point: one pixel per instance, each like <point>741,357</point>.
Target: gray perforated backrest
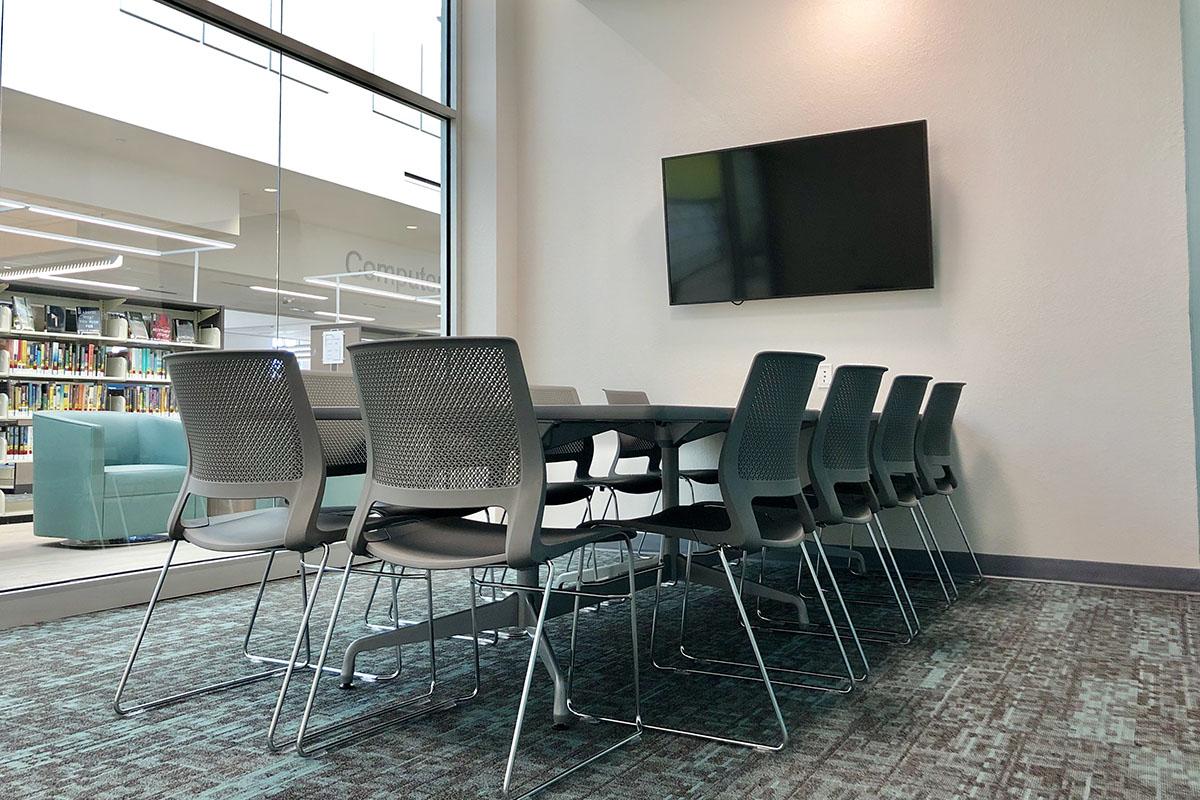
<point>250,431</point>
<point>343,441</point>
<point>450,424</point>
<point>579,451</point>
<point>629,446</point>
<point>934,437</point>
<point>761,453</point>
<point>894,433</point>
<point>839,452</point>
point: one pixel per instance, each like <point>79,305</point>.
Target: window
<point>236,190</point>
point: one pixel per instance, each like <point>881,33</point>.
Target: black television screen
<point>830,214</point>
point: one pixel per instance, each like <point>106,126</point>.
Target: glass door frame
<point>214,14</point>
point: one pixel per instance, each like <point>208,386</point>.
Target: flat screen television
<point>830,214</point>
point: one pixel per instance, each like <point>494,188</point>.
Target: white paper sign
<point>333,347</point>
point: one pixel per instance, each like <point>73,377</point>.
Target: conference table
<point>668,426</point>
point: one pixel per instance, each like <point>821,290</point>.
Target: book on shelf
<point>72,325</point>
<point>88,321</point>
<point>147,362</point>
<point>83,359</point>
<point>22,314</point>
<point>18,441</point>
<point>30,396</point>
<point>56,319</point>
<point>149,399</point>
<point>160,327</point>
<point>185,331</point>
<point>137,326</point>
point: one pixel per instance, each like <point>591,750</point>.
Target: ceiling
<point>311,210</point>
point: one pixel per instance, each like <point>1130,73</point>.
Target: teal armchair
<point>108,476</point>
<point>105,476</point>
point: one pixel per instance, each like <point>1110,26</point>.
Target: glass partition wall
<point>176,176</point>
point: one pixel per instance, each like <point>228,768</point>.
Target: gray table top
<point>600,412</point>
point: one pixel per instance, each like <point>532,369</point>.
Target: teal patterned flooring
<point>1021,690</point>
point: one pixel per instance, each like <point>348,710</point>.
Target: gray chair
<point>633,447</point>
<point>759,463</point>
<point>450,423</point>
<point>839,468</point>
<point>250,435</point>
<point>579,453</point>
<point>893,463</point>
<point>934,455</point>
<point>344,447</point>
<point>630,447</point>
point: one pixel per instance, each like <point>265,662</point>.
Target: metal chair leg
<point>314,742</point>
<point>962,531</point>
<point>912,626</point>
<point>139,708</point>
<point>765,677</point>
<point>933,562</point>
<point>538,634</point>
<point>840,684</point>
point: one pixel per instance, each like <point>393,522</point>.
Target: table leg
<point>669,467</point>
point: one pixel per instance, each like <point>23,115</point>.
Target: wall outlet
<point>824,375</point>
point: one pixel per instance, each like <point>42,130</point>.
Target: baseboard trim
<point>58,600</point>
<point>1061,570</point>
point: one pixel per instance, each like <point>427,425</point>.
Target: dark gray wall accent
<point>1136,576</point>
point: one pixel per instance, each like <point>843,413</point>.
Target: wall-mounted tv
<point>830,214</point>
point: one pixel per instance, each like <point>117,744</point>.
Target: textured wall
<point>1058,190</point>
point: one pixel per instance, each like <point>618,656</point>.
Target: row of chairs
<point>448,431</point>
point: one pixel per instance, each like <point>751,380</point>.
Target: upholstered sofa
<point>107,476</point>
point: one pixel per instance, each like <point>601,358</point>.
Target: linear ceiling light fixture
<point>405,279</point>
<point>350,317</point>
<point>120,287</point>
<point>52,270</point>
<point>62,237</point>
<point>289,293</point>
<point>347,287</point>
<point>201,242</point>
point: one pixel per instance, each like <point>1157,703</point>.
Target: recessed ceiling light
<point>411,227</point>
<point>350,317</point>
<point>271,189</point>
<point>289,293</point>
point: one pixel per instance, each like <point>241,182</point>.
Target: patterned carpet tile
<point>1021,690</point>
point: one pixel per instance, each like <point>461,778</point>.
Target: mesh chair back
<point>450,424</point>
<point>934,438</point>
<point>839,453</point>
<point>250,432</point>
<point>895,432</point>
<point>580,451</point>
<point>761,453</point>
<point>629,446</point>
<point>343,441</point>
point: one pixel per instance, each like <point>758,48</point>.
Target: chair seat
<point>645,483</point>
<point>907,491</point>
<point>462,543</point>
<point>260,529</point>
<point>130,480</point>
<point>708,522</point>
<point>706,476</point>
<point>856,508</point>
<point>561,494</point>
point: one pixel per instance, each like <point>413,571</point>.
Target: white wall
<point>1058,189</point>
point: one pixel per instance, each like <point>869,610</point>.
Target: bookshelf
<point>98,361</point>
